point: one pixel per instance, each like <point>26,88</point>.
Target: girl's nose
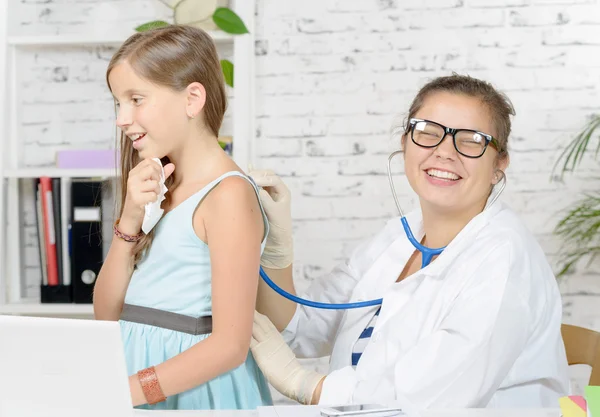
<point>124,119</point>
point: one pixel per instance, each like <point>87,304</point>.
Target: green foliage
<point>228,21</point>
<point>227,67</point>
<point>580,230</point>
<point>225,19</point>
<point>151,25</point>
<point>580,227</point>
<point>576,149</point>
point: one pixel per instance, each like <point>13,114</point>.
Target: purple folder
<point>87,159</point>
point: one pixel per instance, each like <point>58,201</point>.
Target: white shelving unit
<point>108,40</point>
<point>11,166</point>
<point>57,172</point>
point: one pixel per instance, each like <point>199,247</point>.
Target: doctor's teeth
<point>442,174</point>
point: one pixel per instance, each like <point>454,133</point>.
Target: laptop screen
<point>62,368</point>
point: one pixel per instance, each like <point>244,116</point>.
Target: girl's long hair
<point>174,56</point>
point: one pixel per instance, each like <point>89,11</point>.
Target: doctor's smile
<point>442,177</point>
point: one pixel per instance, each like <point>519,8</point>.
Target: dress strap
<point>216,182</point>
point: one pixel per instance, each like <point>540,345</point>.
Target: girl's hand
<point>142,187</point>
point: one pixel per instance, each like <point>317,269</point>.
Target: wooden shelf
<point>35,308</point>
<point>90,40</point>
<point>58,172</point>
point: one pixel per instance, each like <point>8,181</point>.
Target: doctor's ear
<point>497,176</point>
<point>501,166</point>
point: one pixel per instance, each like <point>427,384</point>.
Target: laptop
<point>62,368</point>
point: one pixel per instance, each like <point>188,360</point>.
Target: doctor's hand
<point>276,200</point>
<point>279,364</point>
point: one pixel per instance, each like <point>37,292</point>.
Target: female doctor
<point>480,326</point>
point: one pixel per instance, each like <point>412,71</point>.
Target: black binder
<point>86,237</point>
<point>56,206</point>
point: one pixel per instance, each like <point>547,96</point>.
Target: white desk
<point>294,411</point>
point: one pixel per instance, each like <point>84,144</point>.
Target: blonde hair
<point>173,56</point>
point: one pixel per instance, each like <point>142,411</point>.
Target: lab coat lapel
<point>400,293</point>
<point>374,285</point>
<point>464,238</point>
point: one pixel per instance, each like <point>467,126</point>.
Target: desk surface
<point>295,411</point>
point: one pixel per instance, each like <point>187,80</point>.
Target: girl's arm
<point>279,309</point>
<point>234,229</point>
<point>278,254</point>
<point>114,276</point>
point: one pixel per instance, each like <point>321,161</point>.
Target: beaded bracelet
<point>150,386</point>
<point>126,238</point>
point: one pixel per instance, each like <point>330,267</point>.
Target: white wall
<point>331,74</point>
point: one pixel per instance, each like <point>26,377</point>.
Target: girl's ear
<point>195,99</point>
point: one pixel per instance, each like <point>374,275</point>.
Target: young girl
<point>184,293</point>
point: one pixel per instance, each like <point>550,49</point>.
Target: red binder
<point>50,232</point>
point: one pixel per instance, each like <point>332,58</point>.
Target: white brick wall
<point>331,75</point>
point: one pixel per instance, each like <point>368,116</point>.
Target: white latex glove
<point>279,364</point>
<point>276,200</point>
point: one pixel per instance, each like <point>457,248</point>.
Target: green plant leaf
<point>227,67</point>
<point>575,150</point>
<point>228,21</point>
<point>580,232</point>
<point>152,25</point>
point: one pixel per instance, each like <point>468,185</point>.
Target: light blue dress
<point>175,276</point>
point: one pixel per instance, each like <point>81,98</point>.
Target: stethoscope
<point>427,254</point>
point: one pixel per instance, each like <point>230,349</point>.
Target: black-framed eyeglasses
<point>467,142</point>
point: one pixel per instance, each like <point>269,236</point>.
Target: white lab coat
<point>478,327</point>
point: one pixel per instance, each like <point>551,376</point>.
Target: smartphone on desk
<point>361,410</point>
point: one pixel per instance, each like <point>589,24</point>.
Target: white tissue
<point>152,211</point>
